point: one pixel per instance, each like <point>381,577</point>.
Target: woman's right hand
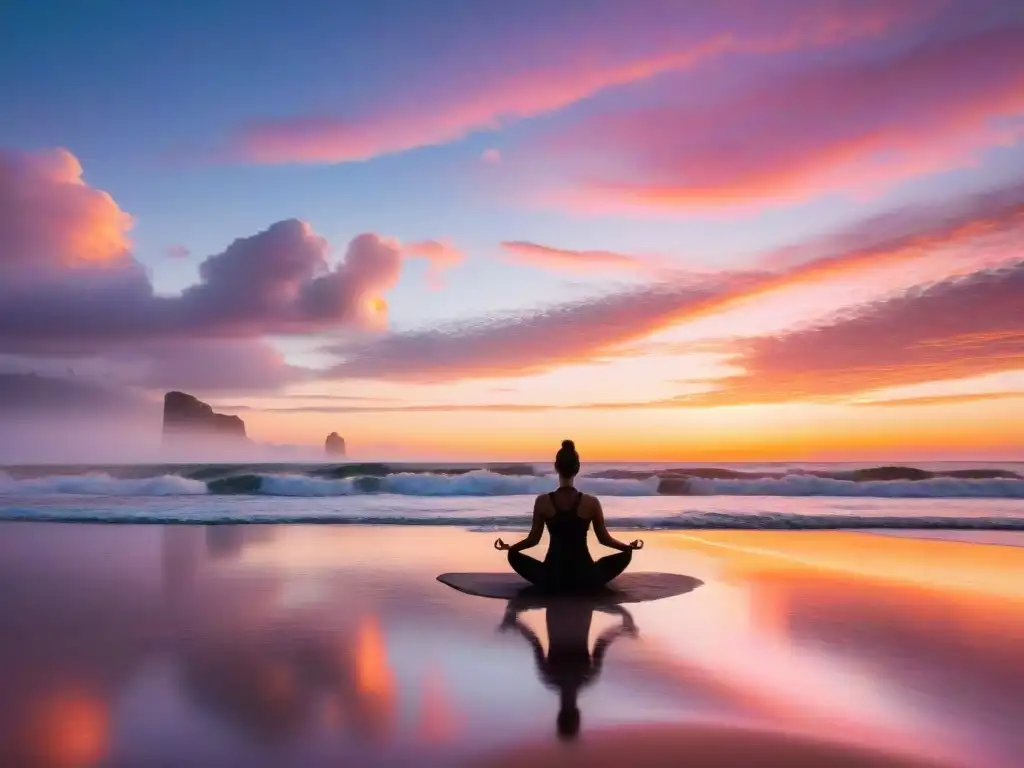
<point>636,544</point>
<point>501,545</point>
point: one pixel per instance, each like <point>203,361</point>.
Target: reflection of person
<point>569,666</point>
<point>568,514</point>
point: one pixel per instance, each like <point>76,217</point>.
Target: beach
<point>255,645</point>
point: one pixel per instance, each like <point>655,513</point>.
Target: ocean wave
<point>484,483</point>
<point>101,484</point>
<point>812,485</point>
<point>682,521</point>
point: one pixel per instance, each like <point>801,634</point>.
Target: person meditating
<point>568,514</point>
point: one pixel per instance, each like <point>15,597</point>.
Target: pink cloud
<point>178,252</point>
<point>440,255</point>
<point>491,156</point>
<point>955,329</point>
<point>567,66</point>
<point>69,287</point>
<point>50,216</point>
<point>977,232</point>
<point>546,257</point>
<point>534,342</point>
<point>853,127</point>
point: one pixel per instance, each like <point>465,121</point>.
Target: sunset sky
<point>671,230</point>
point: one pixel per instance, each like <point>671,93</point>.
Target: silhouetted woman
<point>568,666</point>
<point>568,514</point>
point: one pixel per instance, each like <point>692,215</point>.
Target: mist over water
<point>125,439</point>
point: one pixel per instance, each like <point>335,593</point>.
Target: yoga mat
<point>635,587</point>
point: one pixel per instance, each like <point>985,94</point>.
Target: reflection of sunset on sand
<point>306,644</point>
<point>66,729</point>
<point>439,720</point>
<point>374,680</point>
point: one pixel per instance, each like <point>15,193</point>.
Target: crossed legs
<point>599,574</point>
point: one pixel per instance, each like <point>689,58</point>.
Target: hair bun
<point>568,445</point>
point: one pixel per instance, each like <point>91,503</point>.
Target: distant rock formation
<point>187,415</point>
<point>334,445</point>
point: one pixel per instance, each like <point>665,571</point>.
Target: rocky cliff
<point>334,445</point>
<point>187,415</point>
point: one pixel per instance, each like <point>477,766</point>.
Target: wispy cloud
<point>969,326</point>
<point>530,343</point>
<point>464,407</point>
<point>177,251</point>
<point>853,127</point>
<point>441,255</point>
<point>547,257</point>
<point>968,397</point>
<point>975,233</point>
<point>512,78</point>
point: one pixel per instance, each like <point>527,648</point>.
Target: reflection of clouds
<point>66,728</point>
<point>251,685</point>
<point>180,550</point>
<point>964,656</point>
<point>228,541</point>
<point>186,548</point>
<point>439,721</point>
<point>74,641</point>
<point>374,681</point>
<point>275,680</point>
<point>818,648</point>
<point>329,674</point>
<point>373,675</point>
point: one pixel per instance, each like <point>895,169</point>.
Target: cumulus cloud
<point>955,329</point>
<point>931,107</point>
<point>571,58</point>
<point>50,216</point>
<point>70,287</point>
<point>274,282</point>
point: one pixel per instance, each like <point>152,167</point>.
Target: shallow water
<point>312,645</point>
<point>504,512</point>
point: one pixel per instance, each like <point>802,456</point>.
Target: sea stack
<point>334,445</point>
<point>187,416</point>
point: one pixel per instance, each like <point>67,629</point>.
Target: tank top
<point>568,556</point>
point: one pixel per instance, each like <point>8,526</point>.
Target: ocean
<point>482,496</point>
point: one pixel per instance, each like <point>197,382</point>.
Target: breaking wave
<point>100,484</point>
<point>688,520</point>
<point>352,480</point>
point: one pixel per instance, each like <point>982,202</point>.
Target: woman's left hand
<point>636,544</point>
<point>501,545</point>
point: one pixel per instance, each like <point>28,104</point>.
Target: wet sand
<point>317,645</point>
